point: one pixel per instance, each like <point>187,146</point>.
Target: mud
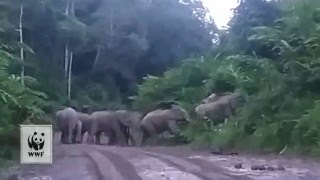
<point>100,162</point>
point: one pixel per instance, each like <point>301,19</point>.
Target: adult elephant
<point>219,108</point>
<point>69,124</point>
<point>107,122</point>
<point>159,121</point>
<point>215,97</point>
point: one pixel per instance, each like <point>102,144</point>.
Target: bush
<point>19,105</point>
<point>267,120</point>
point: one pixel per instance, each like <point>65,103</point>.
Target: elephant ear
<point>130,118</point>
<point>180,112</point>
<point>122,117</point>
<point>126,121</point>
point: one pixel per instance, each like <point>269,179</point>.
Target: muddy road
<point>102,162</point>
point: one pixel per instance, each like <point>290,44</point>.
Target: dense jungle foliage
<point>137,54</point>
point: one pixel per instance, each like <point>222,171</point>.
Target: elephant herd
<point>125,126</point>
<point>120,126</point>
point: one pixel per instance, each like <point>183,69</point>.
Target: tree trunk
<point>66,50</point>
<point>69,76</point>
<point>66,60</point>
<point>71,54</point>
<point>21,41</point>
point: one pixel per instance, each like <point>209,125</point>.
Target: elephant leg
<point>152,135</point>
<point>82,136</point>
<point>127,135</point>
<point>74,135</point>
<point>91,135</point>
<point>173,128</point>
<point>98,135</point>
<point>112,139</point>
<point>83,132</point>
<point>137,136</point>
<point>78,134</point>
<point>130,137</point>
<point>63,136</point>
<point>120,136</point>
<point>144,137</point>
<point>92,139</point>
<point>70,132</point>
<point>228,113</point>
<point>153,140</point>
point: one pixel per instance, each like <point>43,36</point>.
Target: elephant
<point>107,122</point>
<point>159,121</point>
<point>214,97</point>
<point>69,125</point>
<point>211,98</point>
<point>213,110</point>
<point>130,121</point>
<point>221,107</point>
<point>86,123</point>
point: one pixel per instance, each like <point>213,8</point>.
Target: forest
<point>138,53</point>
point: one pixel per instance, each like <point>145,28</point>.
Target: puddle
<point>150,168</point>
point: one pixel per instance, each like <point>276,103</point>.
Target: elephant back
<point>103,116</point>
<point>179,113</point>
<point>129,118</point>
<point>231,99</point>
<point>64,116</point>
<point>83,116</point>
<point>211,98</point>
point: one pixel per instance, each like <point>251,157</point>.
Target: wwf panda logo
<point>36,141</point>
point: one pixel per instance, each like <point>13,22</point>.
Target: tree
<point>250,14</point>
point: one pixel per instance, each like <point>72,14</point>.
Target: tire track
<point>126,169</point>
<point>105,167</point>
<point>121,168</point>
<point>188,166</point>
<point>145,166</point>
<point>68,163</point>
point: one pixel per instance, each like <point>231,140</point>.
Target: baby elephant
<point>86,123</point>
<point>159,121</point>
<point>69,125</point>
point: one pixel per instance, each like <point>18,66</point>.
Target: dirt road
<point>94,162</point>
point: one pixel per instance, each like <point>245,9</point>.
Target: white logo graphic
<point>36,144</point>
